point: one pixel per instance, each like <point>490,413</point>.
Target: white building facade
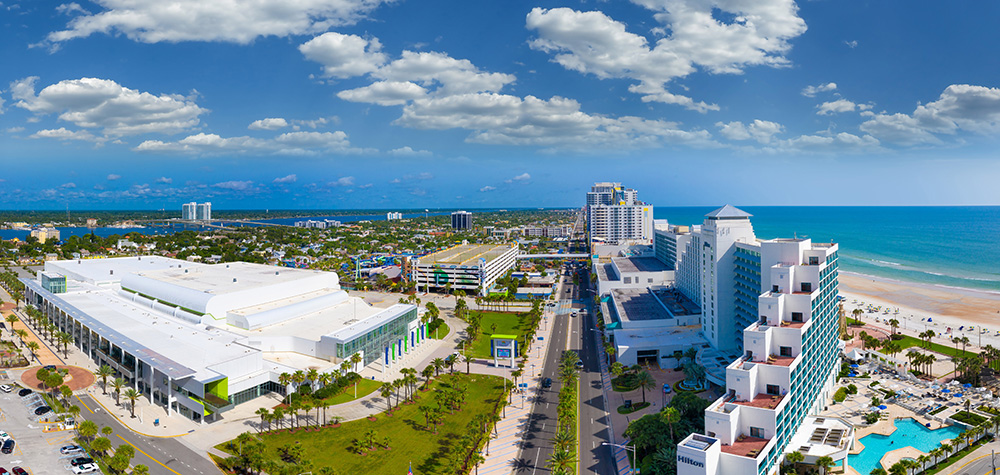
<point>615,214</point>
<point>789,360</point>
<point>473,268</point>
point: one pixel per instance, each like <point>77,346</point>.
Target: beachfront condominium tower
<point>188,211</point>
<point>204,212</point>
<point>720,232</point>
<point>615,214</point>
<point>789,361</point>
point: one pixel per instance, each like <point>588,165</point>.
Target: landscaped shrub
<point>840,395</point>
<point>626,382</point>
<point>969,418</point>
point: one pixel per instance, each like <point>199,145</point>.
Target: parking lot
<point>35,451</point>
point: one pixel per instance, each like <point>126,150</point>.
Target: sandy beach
<point>947,307</point>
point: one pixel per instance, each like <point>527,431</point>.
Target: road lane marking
<point>83,403</point>
<point>150,456</point>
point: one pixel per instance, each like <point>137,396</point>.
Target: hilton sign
<point>690,461</point>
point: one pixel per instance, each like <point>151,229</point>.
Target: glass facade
<point>374,343</point>
<point>747,288</point>
<point>666,249</point>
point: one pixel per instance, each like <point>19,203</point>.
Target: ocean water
<point>954,246</point>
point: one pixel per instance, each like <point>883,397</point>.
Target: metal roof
<point>728,212</point>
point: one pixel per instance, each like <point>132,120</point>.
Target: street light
<point>627,449</point>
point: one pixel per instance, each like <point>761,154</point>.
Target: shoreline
<point>946,306</point>
<point>947,288</point>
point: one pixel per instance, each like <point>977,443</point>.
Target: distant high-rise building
<point>393,215</point>
<point>45,234</point>
<point>461,220</point>
<point>204,212</point>
<point>188,211</point>
<point>615,214</point>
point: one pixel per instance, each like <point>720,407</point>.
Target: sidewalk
<point>505,447</point>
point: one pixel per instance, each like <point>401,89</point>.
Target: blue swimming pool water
<point>908,433</point>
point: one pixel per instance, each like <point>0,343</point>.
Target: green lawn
<point>507,324</point>
<point>409,439</point>
<point>909,341</point>
<point>439,332</point>
<point>365,387</point>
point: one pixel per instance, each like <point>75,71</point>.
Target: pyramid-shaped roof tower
<point>728,212</point>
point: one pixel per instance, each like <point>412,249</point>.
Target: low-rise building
<point>473,268</point>
<point>198,339</point>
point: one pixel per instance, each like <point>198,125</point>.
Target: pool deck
<point>886,427</point>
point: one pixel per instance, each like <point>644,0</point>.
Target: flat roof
<point>465,255</point>
<point>635,305</point>
<point>114,268</point>
<point>226,278</point>
<point>176,348</point>
<point>660,337</point>
<point>639,264</point>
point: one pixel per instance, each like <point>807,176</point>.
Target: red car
<point>19,471</point>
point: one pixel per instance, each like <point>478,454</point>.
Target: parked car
<point>24,392</point>
<point>579,365</point>
<point>70,449</point>
<point>42,410</point>
<point>7,447</point>
<point>4,436</point>
<point>5,388</point>
<point>3,471</point>
<point>19,471</point>
<point>85,468</point>
<point>547,383</point>
<point>81,461</point>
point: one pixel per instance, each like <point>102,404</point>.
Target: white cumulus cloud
<point>594,43</point>
<point>407,151</point>
<point>960,107</point>
<point>840,106</point>
<point>113,177</point>
<point>235,21</point>
<point>487,188</point>
<point>811,91</point>
<point>760,130</point>
<point>343,181</point>
<point>270,123</point>
<point>286,179</point>
<point>103,104</point>
<point>344,56</point>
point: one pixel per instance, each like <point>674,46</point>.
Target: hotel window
<point>773,389</point>
<point>807,287</point>
<point>797,317</point>
<point>785,351</point>
<point>757,432</point>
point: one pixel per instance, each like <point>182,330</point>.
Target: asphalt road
<point>163,456</point>
<point>594,458</point>
<point>536,446</point>
<point>979,466</point>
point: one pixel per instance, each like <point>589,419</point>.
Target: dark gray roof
<point>728,212</point>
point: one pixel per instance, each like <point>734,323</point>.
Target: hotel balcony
<point>746,446</point>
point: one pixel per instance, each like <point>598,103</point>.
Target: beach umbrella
<point>959,394</point>
<point>967,385</point>
<point>883,407</point>
<point>946,390</point>
<point>855,365</point>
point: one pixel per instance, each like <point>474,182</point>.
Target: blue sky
<point>145,104</point>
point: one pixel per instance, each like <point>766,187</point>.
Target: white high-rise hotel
<point>615,214</point>
<point>774,302</point>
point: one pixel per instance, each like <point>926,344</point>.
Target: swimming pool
<point>908,433</point>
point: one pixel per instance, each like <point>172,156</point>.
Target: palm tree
<point>561,462</point>
<point>670,415</point>
<point>824,463</point>
<point>385,391</point>
<point>104,372</point>
<point>264,414</point>
<point>11,319</point>
<point>645,381</point>
<point>118,384</point>
<point>65,339</point>
<point>564,440</point>
<point>132,395</point>
<point>32,346</point>
<point>793,458</point>
<point>355,360</point>
<point>893,324</point>
<point>878,471</point>
<point>22,334</point>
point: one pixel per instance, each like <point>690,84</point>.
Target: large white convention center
<point>199,339</point>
